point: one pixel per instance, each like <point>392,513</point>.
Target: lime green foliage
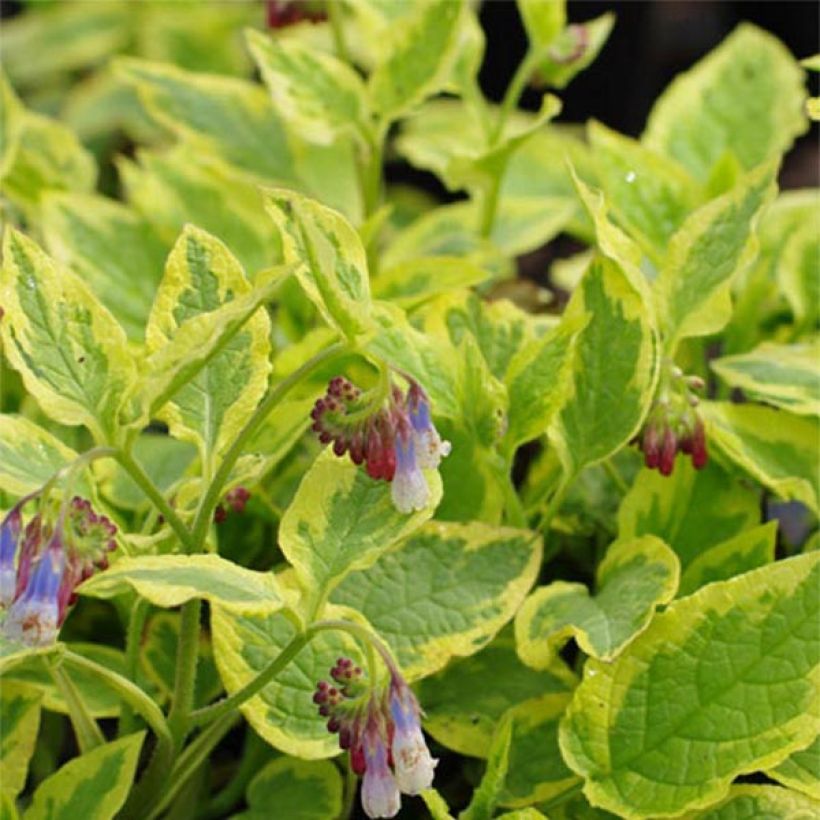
<point>201,276</point>
<point>29,455</point>
<point>801,770</point>
<point>670,738</point>
<point>693,511</point>
<point>170,580</point>
<point>635,576</point>
<point>300,789</point>
<point>762,801</point>
<point>463,715</point>
<point>611,386</point>
<point>341,520</point>
<point>777,448</point>
<point>21,721</point>
<point>283,713</point>
<point>94,785</point>
<point>207,219</point>
<point>746,97</point>
<point>69,349</point>
<point>485,572</point>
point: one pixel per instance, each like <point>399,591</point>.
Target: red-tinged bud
<point>339,447</point>
<point>333,725</point>
<point>357,448</point>
<point>357,759</point>
<point>237,498</point>
<point>669,450</point>
<point>651,446</point>
<point>699,454</point>
<point>345,737</point>
<point>220,514</point>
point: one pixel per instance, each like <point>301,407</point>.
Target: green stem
<point>513,94</point>
<point>334,11</point>
<point>133,639</point>
<point>227,705</point>
<point>185,680</point>
<point>370,171</point>
<point>192,758</point>
<point>129,693</point>
<point>143,480</point>
<point>88,733</point>
<point>554,503</point>
<point>212,495</point>
<point>617,479</point>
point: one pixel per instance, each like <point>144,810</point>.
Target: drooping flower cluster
<point>42,563</point>
<point>381,731</point>
<point>673,424</point>
<point>394,437</point>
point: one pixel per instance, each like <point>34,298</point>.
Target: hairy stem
<point>185,680</point>
<point>133,638</point>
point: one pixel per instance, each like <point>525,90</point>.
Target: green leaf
<point>714,244</point>
<point>13,116</point>
<point>745,97</point>
<point>636,576</point>
<point>543,20</point>
<point>691,510</point>
<point>283,713</point>
<point>218,116</point>
<point>746,801</point>
<point>171,580</point>
<point>29,455</point>
<point>539,380</point>
<point>445,592</point>
<point>801,770</point>
<point>537,772</point>
<point>21,722</point>
<point>650,195</point>
<point>300,790</point>
<point>211,407</point>
<point>115,251</point>
<point>783,375</point>
<point>612,386</point>
<point>415,281</point>
<point>158,655</point>
<point>423,51</point>
<point>177,187</point>
<point>49,41</point>
<point>744,552</point>
<point>43,155</point>
<point>318,95</point>
<point>670,737</point>
<point>8,807</point>
<point>329,255</point>
<point>775,447</point>
<point>798,272</point>
<point>69,349</point>
<point>100,701</point>
<point>342,520</point>
<point>93,786</point>
<point>485,797</point>
<point>462,715</point>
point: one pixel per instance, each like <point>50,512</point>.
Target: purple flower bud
<point>34,617</point>
<point>9,539</point>
<point>699,453</point>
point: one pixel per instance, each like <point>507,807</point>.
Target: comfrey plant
<point>268,412</point>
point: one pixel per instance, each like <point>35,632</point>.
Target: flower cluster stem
<point>133,638</point>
